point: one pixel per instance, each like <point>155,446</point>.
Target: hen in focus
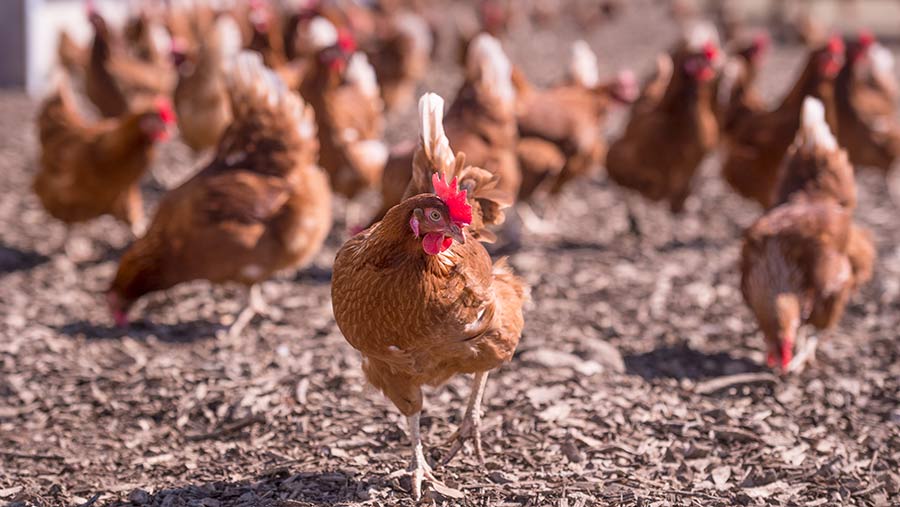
<point>260,206</point>
<point>418,296</point>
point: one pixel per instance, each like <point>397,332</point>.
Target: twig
<point>92,501</point>
<point>9,454</point>
<point>720,383</point>
<point>228,429</point>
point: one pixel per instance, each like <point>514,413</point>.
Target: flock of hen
<point>291,109</point>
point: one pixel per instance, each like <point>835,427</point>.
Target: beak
<point>456,232</point>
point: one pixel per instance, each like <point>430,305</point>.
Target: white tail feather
<point>321,33</point>
<point>882,59</point>
<point>583,66</point>
<point>488,63</point>
<point>251,82</point>
<point>360,74</point>
<point>229,36</point>
<point>414,27</point>
<point>699,34</point>
<point>431,129</point>
<point>814,129</point>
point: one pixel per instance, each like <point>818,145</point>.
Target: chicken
<point>420,299</point>
<point>92,169</point>
<point>149,40</point>
<point>266,37</point>
<point>481,123</point>
<point>342,88</point>
<point>116,82</point>
<point>795,270</point>
<point>71,56</point>
<point>400,53</point>
<point>802,260</point>
<point>201,98</point>
<point>666,139</point>
<point>757,142</point>
<point>260,206</point>
<point>738,97</point>
<point>571,116</point>
<point>815,164</point>
<point>865,97</point>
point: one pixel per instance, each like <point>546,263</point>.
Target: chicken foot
<point>77,247</point>
<point>806,354</point>
<point>531,221</point>
<point>471,424</point>
<point>419,470</point>
<point>255,305</point>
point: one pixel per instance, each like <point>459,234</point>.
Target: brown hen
<point>757,141</point>
<point>802,259</point>
<point>420,298</point>
<point>260,206</point>
<point>666,138</point>
<point>865,96</point>
<point>91,169</point>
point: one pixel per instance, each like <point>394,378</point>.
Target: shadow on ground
<point>13,259</point>
<point>181,332</point>
<point>276,488</point>
<point>680,362</point>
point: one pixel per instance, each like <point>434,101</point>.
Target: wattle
<point>434,243</point>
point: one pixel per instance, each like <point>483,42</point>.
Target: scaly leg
<point>419,469</point>
<point>255,305</point>
<point>471,424</point>
<point>77,247</point>
<point>806,354</point>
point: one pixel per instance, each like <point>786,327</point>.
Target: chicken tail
<point>435,155</point>
<point>583,66</point>
<point>488,65</point>
<point>415,29</point>
<point>256,92</point>
<point>361,75</point>
<point>228,38</point>
<point>814,130</point>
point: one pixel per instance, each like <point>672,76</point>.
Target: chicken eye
<point>435,215</point>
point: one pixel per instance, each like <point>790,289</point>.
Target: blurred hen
<point>260,206</point>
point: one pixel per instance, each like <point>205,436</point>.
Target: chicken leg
<point>471,424</point>
<point>255,305</point>
<point>806,354</point>
<point>419,470</point>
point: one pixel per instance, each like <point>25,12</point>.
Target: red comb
<point>710,51</point>
<point>460,210</point>
<point>346,41</point>
<point>761,41</point>
<point>164,110</point>
<point>835,45</point>
<point>866,38</point>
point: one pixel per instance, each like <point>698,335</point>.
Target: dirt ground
<point>612,398</point>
